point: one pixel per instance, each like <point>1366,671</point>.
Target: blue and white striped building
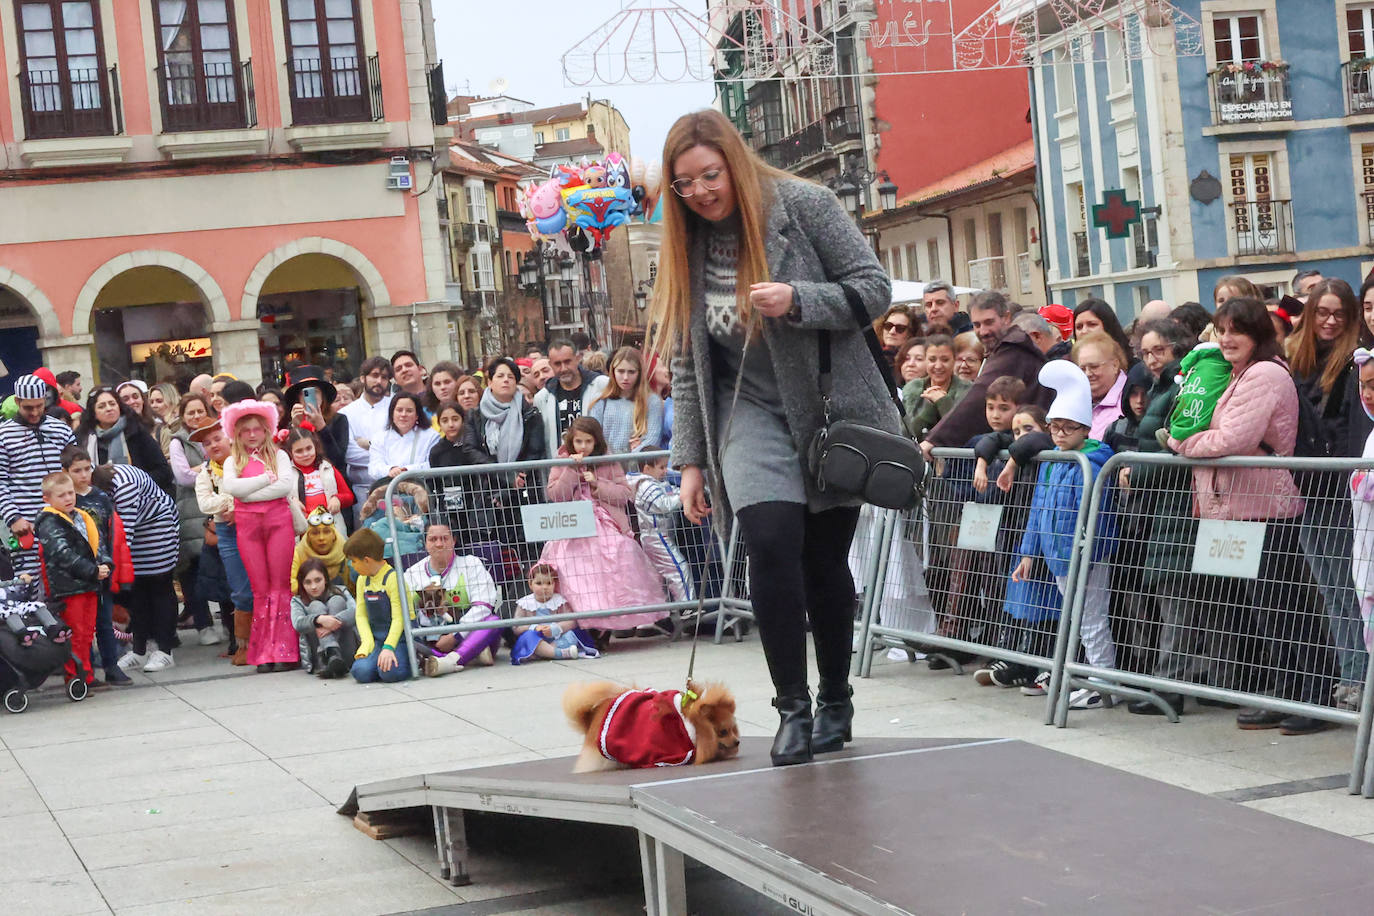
<point>1258,153</point>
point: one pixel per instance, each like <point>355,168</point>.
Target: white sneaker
<point>131,660</point>
<point>1086,698</point>
<point>158,660</point>
<point>1039,688</point>
<point>209,637</point>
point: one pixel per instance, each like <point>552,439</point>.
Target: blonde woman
<point>631,416</point>
<point>162,404</point>
<point>753,265</point>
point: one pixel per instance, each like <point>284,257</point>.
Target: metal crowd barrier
<point>486,507</point>
<point>1155,600</point>
<point>1261,613</point>
<point>943,577</point>
<point>733,606</point>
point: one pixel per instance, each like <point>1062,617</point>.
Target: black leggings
<point>799,568</point>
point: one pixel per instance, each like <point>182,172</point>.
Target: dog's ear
<point>715,703</point>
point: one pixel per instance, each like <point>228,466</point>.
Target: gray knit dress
<point>758,458</point>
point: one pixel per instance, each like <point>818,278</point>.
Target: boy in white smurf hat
<point>1051,527</point>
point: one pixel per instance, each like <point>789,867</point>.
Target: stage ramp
<point>922,826</point>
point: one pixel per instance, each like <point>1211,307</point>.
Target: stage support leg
<point>665,884</point>
<point>451,841</point>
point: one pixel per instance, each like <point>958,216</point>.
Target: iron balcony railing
<point>1246,93</point>
<point>1262,227</point>
<point>1359,86</point>
<point>81,102</point>
<point>839,126</point>
<point>219,97</point>
<point>988,273</point>
<point>468,234</point>
<point>332,90</point>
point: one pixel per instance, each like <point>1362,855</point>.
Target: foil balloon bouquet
<point>586,202</point>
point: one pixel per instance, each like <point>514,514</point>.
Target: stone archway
<point>369,278</point>
<point>150,314</point>
<point>45,316</point>
<point>27,323</point>
<point>210,293</point>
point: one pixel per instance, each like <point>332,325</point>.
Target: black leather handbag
<point>851,458</point>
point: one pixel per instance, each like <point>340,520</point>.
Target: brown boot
<point>243,628</point>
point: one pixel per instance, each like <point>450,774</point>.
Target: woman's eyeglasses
<point>901,327</point>
<point>710,180</point>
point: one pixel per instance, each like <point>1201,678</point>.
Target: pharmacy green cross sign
<point>1116,214</point>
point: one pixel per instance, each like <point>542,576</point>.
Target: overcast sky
<point>523,42</point>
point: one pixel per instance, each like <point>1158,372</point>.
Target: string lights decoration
<point>660,41</point>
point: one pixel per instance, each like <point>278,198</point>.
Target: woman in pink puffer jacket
<point>1258,415</point>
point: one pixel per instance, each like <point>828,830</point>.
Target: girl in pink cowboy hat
<point>260,478</point>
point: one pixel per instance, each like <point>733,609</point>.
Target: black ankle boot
<point>834,718</point>
<point>793,741</point>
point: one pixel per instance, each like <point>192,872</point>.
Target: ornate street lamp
<point>887,192</point>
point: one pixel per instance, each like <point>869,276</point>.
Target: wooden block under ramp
<point>384,825</point>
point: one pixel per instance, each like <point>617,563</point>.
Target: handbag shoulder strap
<point>856,308</point>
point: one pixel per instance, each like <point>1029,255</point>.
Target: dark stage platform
<point>924,826</point>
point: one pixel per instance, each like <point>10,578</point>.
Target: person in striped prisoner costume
<point>30,449</point>
<point>152,526</point>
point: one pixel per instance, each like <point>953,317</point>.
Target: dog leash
<point>688,694</point>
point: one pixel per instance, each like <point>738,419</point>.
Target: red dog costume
<point>646,728</point>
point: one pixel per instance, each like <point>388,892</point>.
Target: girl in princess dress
<point>610,570</point>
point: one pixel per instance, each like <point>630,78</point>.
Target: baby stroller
<point>30,656</point>
<point>24,668</point>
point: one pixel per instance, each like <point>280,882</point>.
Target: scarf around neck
<point>505,426</point>
<point>115,448</point>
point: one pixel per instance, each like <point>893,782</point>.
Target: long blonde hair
<point>752,180</point>
<point>267,454</point>
<point>641,391</point>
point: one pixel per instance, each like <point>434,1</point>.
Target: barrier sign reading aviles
<point>1227,548</point>
<point>558,521</point>
<point>978,526</point>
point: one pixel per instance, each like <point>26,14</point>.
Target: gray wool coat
<point>812,244</point>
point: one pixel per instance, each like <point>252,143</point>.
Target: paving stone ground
<point>207,789</point>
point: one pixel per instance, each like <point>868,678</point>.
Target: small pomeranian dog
<point>633,728</point>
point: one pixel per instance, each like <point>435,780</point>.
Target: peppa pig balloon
<point>542,207</point>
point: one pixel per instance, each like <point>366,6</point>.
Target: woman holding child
<point>1256,415</point>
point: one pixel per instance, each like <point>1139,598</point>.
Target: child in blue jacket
<point>1053,520</point>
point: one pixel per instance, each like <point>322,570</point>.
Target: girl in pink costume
<point>260,478</point>
<point>609,570</point>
